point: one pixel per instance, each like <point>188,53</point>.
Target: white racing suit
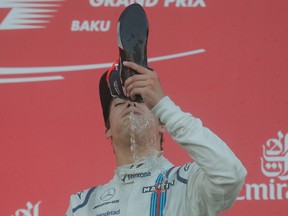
<point>201,188</point>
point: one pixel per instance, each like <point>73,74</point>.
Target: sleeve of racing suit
<point>219,175</point>
<point>69,211</point>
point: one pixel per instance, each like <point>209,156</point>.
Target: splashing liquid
<point>143,139</point>
<point>143,142</point>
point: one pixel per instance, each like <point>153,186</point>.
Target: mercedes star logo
<point>108,194</point>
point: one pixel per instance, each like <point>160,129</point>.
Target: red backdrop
<point>229,69</point>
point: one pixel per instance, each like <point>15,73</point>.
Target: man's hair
<point>105,98</point>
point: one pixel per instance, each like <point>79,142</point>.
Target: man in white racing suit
<point>150,185</point>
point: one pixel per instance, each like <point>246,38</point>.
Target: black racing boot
<point>132,37</point>
<point>114,82</point>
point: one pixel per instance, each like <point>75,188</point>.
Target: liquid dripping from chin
<point>143,139</point>
<point>143,142</point>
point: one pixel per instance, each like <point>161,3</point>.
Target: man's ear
<point>163,128</point>
<point>108,133</point>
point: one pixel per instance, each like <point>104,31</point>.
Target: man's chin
<point>126,123</point>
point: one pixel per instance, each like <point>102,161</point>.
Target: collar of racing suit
<point>142,169</point>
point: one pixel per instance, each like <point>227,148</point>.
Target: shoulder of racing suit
<point>183,172</point>
<point>82,198</point>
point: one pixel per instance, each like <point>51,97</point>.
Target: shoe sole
<point>132,38</point>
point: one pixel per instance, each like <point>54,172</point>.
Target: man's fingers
<point>139,84</point>
<point>136,67</point>
<point>135,78</point>
<point>136,91</point>
<point>145,84</point>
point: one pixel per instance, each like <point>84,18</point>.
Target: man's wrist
<point>160,103</point>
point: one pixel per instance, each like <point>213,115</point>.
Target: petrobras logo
<point>131,177</point>
<point>274,165</point>
<point>148,3</point>
<point>27,14</point>
<point>30,210</point>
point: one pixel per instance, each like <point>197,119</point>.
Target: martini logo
<point>27,14</point>
<point>30,211</point>
<point>158,187</point>
<point>274,165</point>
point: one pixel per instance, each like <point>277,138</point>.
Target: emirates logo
<point>274,163</point>
<point>31,210</point>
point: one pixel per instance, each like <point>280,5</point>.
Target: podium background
<point>233,77</point>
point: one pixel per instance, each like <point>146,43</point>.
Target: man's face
<point>126,115</point>
<point>120,112</point>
